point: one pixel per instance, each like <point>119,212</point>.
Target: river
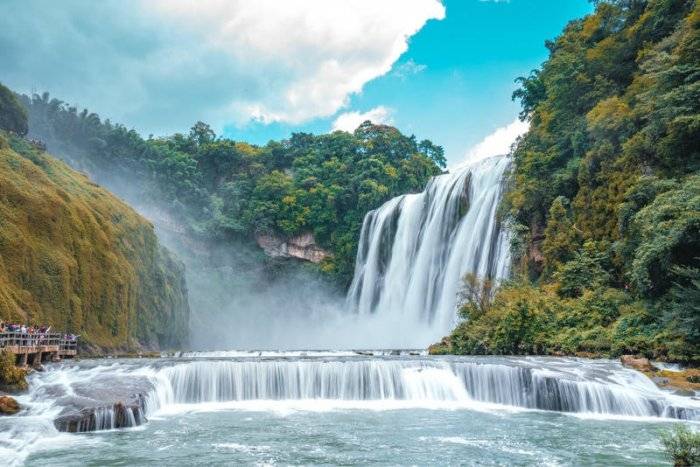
<point>349,407</point>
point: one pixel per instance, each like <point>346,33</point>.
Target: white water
<point>330,382</point>
<point>415,249</point>
<point>602,388</point>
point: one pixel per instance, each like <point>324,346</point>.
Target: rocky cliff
<point>302,247</point>
<point>75,257</point>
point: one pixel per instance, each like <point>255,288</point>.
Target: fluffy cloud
<point>498,142</point>
<point>161,64</point>
<point>349,121</point>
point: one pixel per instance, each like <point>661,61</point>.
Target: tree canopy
<point>224,189</point>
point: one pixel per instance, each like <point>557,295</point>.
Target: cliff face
<point>302,247</point>
<point>74,256</point>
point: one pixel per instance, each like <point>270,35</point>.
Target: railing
<point>68,344</point>
<point>25,340</point>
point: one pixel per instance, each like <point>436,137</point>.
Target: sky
<point>261,69</point>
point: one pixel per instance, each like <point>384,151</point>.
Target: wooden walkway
<point>34,348</point>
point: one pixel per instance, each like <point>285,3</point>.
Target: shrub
<point>11,378</point>
<point>13,117</point>
<point>682,446</point>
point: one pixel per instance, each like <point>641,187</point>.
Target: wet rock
<point>640,364</point>
<point>8,405</point>
<point>117,415</point>
<point>660,380</point>
<point>684,393</point>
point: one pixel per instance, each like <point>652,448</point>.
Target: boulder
<point>639,364</point>
<point>117,415</point>
<point>8,405</point>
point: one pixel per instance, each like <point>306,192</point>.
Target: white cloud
<point>162,64</point>
<point>308,55</point>
<point>349,121</point>
<point>498,142</point>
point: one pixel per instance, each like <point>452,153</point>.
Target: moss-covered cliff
<point>75,257</point>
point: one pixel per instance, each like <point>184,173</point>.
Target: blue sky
<point>457,86</point>
<point>259,70</point>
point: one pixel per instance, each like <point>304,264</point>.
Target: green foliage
<point>525,319</point>
<point>13,117</point>
<point>230,191</point>
<point>668,235</point>
<point>475,296</point>
<point>682,446</point>
<point>683,313</point>
<point>584,271</point>
<point>559,235</point>
<point>12,378</point>
<point>605,187</point>
<point>516,322</point>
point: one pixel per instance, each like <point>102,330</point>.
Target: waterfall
<point>421,383</point>
<point>415,249</point>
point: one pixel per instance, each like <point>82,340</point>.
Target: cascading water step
<point>169,391</point>
<point>603,388</point>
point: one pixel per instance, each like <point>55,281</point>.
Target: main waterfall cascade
<point>416,248</point>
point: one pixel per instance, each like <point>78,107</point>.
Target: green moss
<point>75,257</point>
<point>12,378</point>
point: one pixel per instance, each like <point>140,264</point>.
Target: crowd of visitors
<point>40,334</point>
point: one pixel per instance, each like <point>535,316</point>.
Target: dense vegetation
<point>604,194</point>
<point>76,258</point>
<point>229,191</point>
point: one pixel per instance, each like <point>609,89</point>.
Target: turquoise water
<point>345,408</point>
<point>351,437</point>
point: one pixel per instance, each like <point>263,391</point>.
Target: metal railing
<point>26,340</point>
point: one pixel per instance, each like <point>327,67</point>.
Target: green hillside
<point>75,257</point>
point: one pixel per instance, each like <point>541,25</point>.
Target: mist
<point>242,299</point>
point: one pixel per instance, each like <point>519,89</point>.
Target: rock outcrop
<point>8,405</point>
<point>301,247</point>
<point>641,364</point>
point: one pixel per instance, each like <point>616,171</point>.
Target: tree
<point>13,116</point>
<point>475,296</point>
<point>560,236</point>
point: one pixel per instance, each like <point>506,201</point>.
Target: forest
<point>228,191</point>
<point>603,196</point>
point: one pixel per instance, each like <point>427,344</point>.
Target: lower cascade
<point>415,249</point>
<point>101,395</point>
<point>604,389</point>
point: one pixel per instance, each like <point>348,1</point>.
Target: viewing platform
<point>35,348</point>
